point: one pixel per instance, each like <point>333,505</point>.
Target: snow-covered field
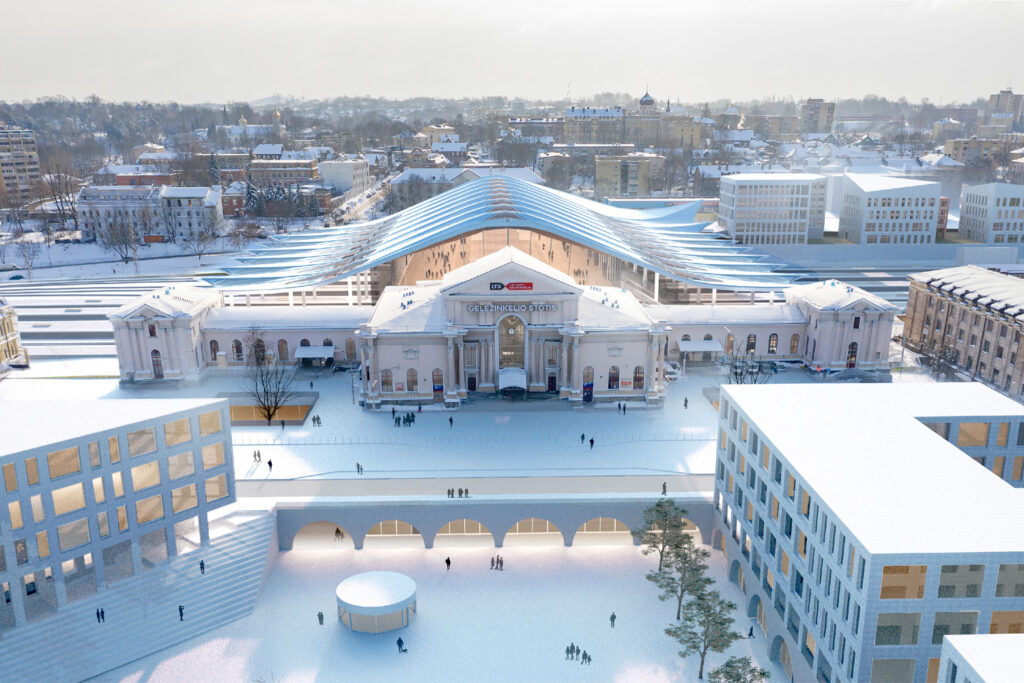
<point>473,624</point>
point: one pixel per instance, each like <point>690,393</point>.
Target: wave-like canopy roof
<point>667,240</point>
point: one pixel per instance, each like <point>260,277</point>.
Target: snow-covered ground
<point>472,624</point>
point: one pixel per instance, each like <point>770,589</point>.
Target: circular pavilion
<point>375,602</point>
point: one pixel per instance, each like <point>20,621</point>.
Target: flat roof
<point>27,424</point>
<point>877,183</point>
<point>774,177</point>
<point>993,656</point>
<point>892,481</point>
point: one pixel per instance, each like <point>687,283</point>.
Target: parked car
<point>672,370</point>
<point>9,266</point>
<point>16,277</point>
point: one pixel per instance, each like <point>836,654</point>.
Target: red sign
<point>519,286</point>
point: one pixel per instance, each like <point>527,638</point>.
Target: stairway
<point>142,611</point>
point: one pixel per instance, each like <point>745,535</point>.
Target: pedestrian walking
<point>311,385</point>
<point>492,563</point>
<point>750,633</point>
<point>259,456</point>
<point>612,619</point>
<point>591,443</point>
<point>447,564</point>
<point>460,493</point>
<point>467,493</point>
<point>392,411</point>
<point>337,533</point>
<point>577,652</point>
<point>181,613</point>
<point>451,421</point>
<point>583,437</point>
<point>358,469</point>
<point>572,651</point>
<point>282,425</point>
<point>97,615</point>
<point>103,616</point>
<point>686,403</point>
<point>568,651</point>
<point>623,408</point>
<point>501,563</point>
<point>202,567</point>
<point>419,408</point>
<point>254,458</point>
<point>664,488</point>
<point>401,644</point>
<point>585,658</point>
<point>270,465</point>
<point>320,617</point>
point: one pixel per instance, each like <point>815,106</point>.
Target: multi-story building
<point>98,491</point>
<point>880,209</point>
<point>773,125</point>
<point>150,210</point>
<point>438,133</point>
<point>942,221</point>
<point>631,175</point>
<point>989,658</point>
<point>1006,102</point>
<point>707,177</point>
<point>993,213</point>
<point>816,116</point>
<point>594,124</point>
<point>283,171</point>
<point>973,312</point>
<point>773,208</point>
<point>1016,173</point>
<point>19,162</point>
<point>346,175</point>
<point>185,211</point>
<point>840,523</point>
<point>11,351</point>
<point>135,174</point>
<point>973,151</point>
<point>944,129</point>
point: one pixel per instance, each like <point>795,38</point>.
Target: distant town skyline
<point>195,51</point>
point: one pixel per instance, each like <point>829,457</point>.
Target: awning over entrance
<point>700,346</point>
<point>511,378</point>
<point>314,352</point>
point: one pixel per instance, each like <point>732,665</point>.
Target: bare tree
<point>201,239</point>
<point>749,369</point>
<point>268,382</point>
<point>28,248</point>
<point>118,234</point>
<point>5,243</point>
<point>61,187</point>
<point>239,234</point>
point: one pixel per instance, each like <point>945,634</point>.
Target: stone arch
<point>718,540</point>
<point>779,653</point>
<point>393,533</point>
<point>534,531</point>
<point>736,575</point>
<point>603,531</point>
<point>757,612</point>
<point>320,535</point>
<point>462,533</point>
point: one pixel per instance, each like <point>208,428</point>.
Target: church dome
<point>646,100</point>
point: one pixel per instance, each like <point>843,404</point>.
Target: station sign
<point>510,308</point>
<point>512,286</point>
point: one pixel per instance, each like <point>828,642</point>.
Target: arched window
<point>328,342</point>
<point>386,384</point>
<point>282,349</point>
<point>686,337</point>
<point>751,343</point>
<point>259,351</point>
<point>304,342</point>
<point>214,350</point>
<point>152,330</point>
<point>236,350</point>
<point>851,355</point>
<point>708,337</point>
<point>730,342</point>
<point>794,344</point>
<point>411,380</point>
<point>638,377</point>
<point>773,343</point>
<point>350,349</point>
<point>437,379</point>
<point>613,377</point>
<point>158,365</point>
<point>511,343</point>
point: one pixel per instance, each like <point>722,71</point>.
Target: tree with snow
<point>214,170</point>
<point>738,670</point>
<point>28,248</point>
<point>706,627</point>
<point>683,573</point>
<point>663,528</point>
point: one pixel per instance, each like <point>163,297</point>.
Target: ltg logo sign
<point>512,286</point>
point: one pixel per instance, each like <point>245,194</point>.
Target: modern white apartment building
<point>888,210</point>
<point>860,528</point>
<point>993,213</point>
<point>346,175</point>
<point>95,492</point>
<point>177,212</point>
<point>772,208</point>
<point>981,658</point>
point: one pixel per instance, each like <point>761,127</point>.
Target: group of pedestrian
<point>574,654</point>
<point>101,616</point>
<point>338,533</point>
<point>463,493</point>
<point>317,422</point>
<point>320,617</point>
<point>406,420</point>
<point>583,440</point>
<point>498,562</point>
<point>257,457</point>
<point>359,468</point>
<point>622,408</point>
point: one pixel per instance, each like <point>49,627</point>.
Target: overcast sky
<point>691,50</point>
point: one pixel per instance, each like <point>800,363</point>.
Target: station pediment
<point>511,276</point>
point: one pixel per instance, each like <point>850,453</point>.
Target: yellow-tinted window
<point>43,544</point>
<point>1007,622</point>
<point>209,423</point>
<point>1018,468</point>
<point>775,508</point>
<point>765,457</point>
<point>743,430</point>
<point>809,642</point>
<point>68,499</point>
<point>184,498</point>
<point>145,476</point>
<point>743,464</point>
<point>730,483</point>
<point>801,543</point>
<point>216,487</point>
<point>790,486</point>
<point>1003,435</point>
<point>177,432</point>
<point>901,582</point>
<point>180,465</point>
<point>103,522</point>
<point>149,509</point>
<point>805,503</point>
<point>141,442</point>
<point>10,478</point>
<point>63,462</point>
<point>769,578</point>
<point>853,554</point>
<point>933,670</point>
<point>213,455</point>
<point>122,518</point>
<point>115,449</point>
<point>73,533</point>
<point>98,493</point>
<point>784,563</point>
<point>94,454</point>
<point>32,471</point>
<point>750,512</point>
<point>118,484</point>
<point>723,441</point>
<point>973,434</point>
<point>14,510</point>
<point>998,463</point>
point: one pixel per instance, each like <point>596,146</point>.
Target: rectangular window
<point>216,487</point>
<point>181,465</point>
<point>743,430</point>
<point>42,544</point>
<point>972,434</point>
<point>177,432</point>
<point>775,508</point>
<point>1010,583</point>
<point>1018,468</point>
<point>1003,434</point>
<point>801,543</point>
<point>141,442</point>
<point>14,510</point>
<point>765,453</point>
<point>94,454</point>
<point>902,582</point>
<point>998,463</point>
<point>149,509</point>
<point>98,493</point>
<point>63,462</point>
<point>784,562</point>
<point>68,499</point>
<point>790,486</point>
<point>805,503</point>
<point>10,478</point>
<point>213,456</point>
<point>116,477</point>
<point>122,518</point>
<point>209,423</point>
<point>115,449</point>
<point>73,533</point>
<point>900,628</point>
<point>38,513</point>
<point>144,476</point>
<point>103,522</point>
<point>953,623</point>
<point>31,471</point>
<point>184,498</point>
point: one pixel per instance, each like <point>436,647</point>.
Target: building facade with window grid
<point>833,526</point>
<point>888,210</point>
<point>993,213</point>
<point>106,492</point>
<point>773,208</point>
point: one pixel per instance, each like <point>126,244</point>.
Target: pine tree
<point>738,670</point>
<point>313,208</point>
<point>662,529</point>
<point>706,627</point>
<point>683,573</point>
<point>214,170</point>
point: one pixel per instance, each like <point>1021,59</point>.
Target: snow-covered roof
<point>835,295</point>
<point>774,177</point>
<point>884,183</point>
<point>995,657</point>
<point>885,475</point>
<point>171,301</point>
<point>988,288</point>
<point>503,256</point>
<point>781,314</point>
<point>30,423</point>
<point>450,147</point>
<point>287,317</point>
<point>168,192</point>
<point>376,593</point>
<point>717,171</point>
<point>667,241</point>
<point>268,148</point>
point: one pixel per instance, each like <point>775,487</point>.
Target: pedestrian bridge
<point>566,520</point>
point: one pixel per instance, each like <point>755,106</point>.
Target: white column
<point>714,296</point>
<point>291,299</point>
<point>563,364</point>
<point>460,381</point>
<point>655,286</point>
<point>349,281</point>
<point>576,381</point>
<point>650,363</point>
<point>450,374</point>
